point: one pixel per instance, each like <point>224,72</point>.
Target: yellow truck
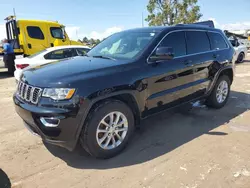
<point>31,36</point>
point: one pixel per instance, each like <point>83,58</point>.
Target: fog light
<point>50,122</point>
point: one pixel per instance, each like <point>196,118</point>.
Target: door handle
<point>51,44</point>
<point>29,45</point>
<point>216,55</point>
<point>187,62</point>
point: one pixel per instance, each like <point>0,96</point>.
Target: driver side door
<point>170,80</point>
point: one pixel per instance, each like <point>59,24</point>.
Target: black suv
<point>98,99</point>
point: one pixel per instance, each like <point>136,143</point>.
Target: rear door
<point>199,58</point>
<point>35,38</point>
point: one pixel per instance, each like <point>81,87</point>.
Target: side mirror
<point>163,53</point>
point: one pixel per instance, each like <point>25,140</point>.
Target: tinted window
<point>217,41</point>
<point>82,51</point>
<point>197,41</point>
<point>35,32</point>
<point>61,54</point>
<point>175,40</point>
<point>56,32</point>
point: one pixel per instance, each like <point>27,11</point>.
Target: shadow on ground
<point>161,134</point>
<point>4,180</point>
<point>5,75</point>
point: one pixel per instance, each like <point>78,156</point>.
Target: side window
<point>197,42</point>
<point>56,32</point>
<point>176,40</point>
<point>82,51</point>
<point>61,54</point>
<point>217,41</point>
<point>35,32</point>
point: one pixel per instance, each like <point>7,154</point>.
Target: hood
<point>65,71</point>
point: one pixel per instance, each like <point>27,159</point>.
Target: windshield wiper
<point>103,57</point>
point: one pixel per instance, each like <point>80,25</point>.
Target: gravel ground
<point>203,148</point>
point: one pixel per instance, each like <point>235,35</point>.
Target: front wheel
<point>219,96</point>
<point>108,129</point>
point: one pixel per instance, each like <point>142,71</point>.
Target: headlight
<point>58,93</point>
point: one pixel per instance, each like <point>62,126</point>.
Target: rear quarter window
<point>217,41</point>
<point>35,32</point>
<point>197,42</point>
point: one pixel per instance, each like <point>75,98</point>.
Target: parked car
<point>240,50</point>
<point>48,55</point>
<point>98,100</point>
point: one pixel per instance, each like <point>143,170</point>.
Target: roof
<point>66,46</point>
<point>149,29</point>
<point>39,21</point>
<point>178,26</point>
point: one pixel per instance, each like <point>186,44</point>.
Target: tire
<point>89,137</point>
<point>241,57</point>
<point>213,101</point>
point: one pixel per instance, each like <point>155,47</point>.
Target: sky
<point>100,18</point>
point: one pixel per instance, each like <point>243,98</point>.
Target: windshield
<point>124,45</point>
<point>36,54</point>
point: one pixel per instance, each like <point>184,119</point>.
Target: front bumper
<point>17,74</point>
<point>64,135</point>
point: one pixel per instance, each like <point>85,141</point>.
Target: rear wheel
<point>108,129</point>
<point>219,96</point>
<point>241,57</point>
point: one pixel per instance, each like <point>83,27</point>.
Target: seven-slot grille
<point>29,93</point>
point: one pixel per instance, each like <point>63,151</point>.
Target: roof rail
<point>208,23</point>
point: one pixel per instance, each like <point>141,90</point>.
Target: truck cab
<point>31,36</point>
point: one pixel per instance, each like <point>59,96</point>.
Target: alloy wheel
<point>222,92</point>
<point>112,130</point>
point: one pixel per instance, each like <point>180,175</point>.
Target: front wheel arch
<point>126,97</point>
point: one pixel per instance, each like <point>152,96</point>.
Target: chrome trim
<point>187,55</point>
<point>46,124</point>
<point>35,92</point>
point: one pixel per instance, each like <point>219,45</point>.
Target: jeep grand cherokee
<point>99,99</point>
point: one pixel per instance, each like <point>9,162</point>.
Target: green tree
<point>171,12</point>
<point>85,40</point>
<point>92,41</point>
<point>97,41</point>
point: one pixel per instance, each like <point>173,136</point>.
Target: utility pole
<point>77,34</point>
<point>142,20</point>
<point>14,12</point>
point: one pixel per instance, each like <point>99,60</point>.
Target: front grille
<point>29,93</point>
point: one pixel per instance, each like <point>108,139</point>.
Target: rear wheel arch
<point>228,72</point>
